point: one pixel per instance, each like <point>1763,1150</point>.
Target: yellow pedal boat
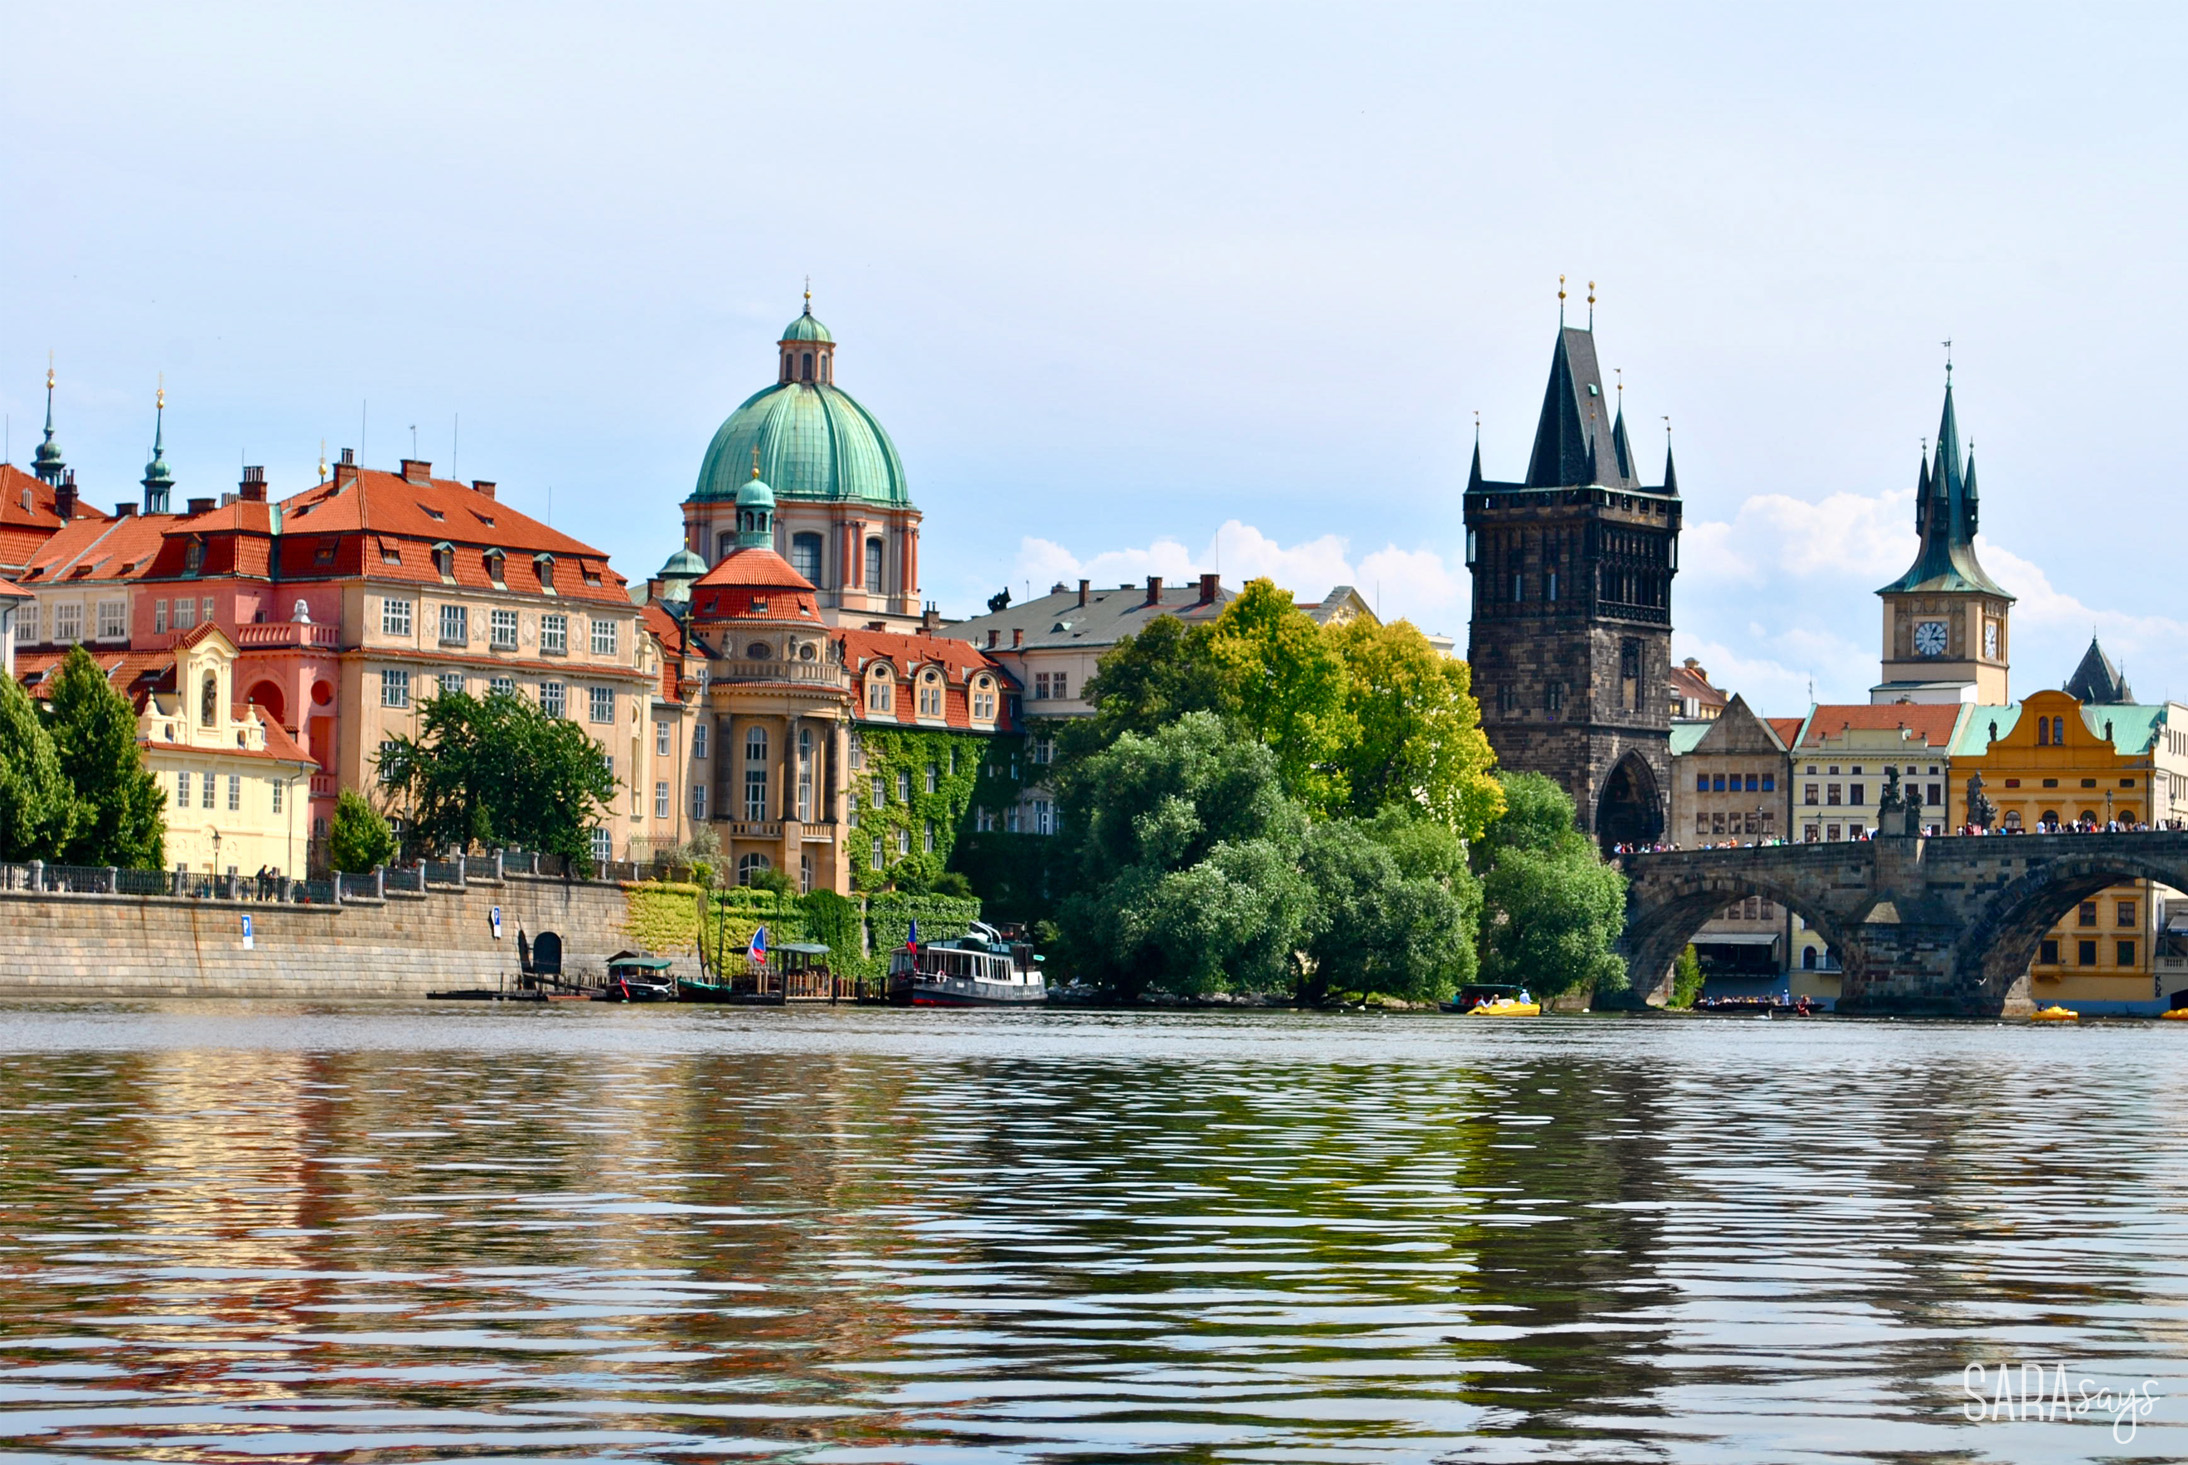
<point>1507,1007</point>
<point>2177,1014</point>
<point>2054,1013</point>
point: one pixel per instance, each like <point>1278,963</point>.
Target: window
<point>68,623</point>
<point>1040,686</point>
<point>186,614</point>
<point>873,564</point>
<point>278,786</point>
<point>983,700</point>
<point>603,846</point>
<point>1044,750</point>
<point>552,698</point>
<point>1854,794</point>
<point>1717,784</point>
<point>927,839</point>
<point>502,686</point>
<point>235,793</point>
<point>858,751</point>
<point>2047,953</point>
<point>1553,697</point>
<point>661,799</point>
<point>875,863</point>
<point>904,785</point>
<point>756,774</point>
<point>698,740</point>
<point>699,801</point>
<point>394,688</point>
<point>2123,953</point>
<point>1010,820</point>
<point>1629,675</point>
<point>1770,783</point>
<point>205,789</point>
<point>805,773</point>
<point>983,820</point>
<point>1058,686</point>
<point>879,694</point>
<point>455,625</point>
<point>904,841</point>
<point>881,794</point>
<point>934,777</point>
<point>1808,793</point>
<point>193,556</point>
<point>497,567</point>
<point>601,706</point>
<point>554,635</point>
<point>1043,822</point>
<point>2126,914</point>
<point>1831,793</point>
<point>604,637</point>
<point>444,561</point>
<point>660,739</point>
<point>394,616</point>
<point>501,630</point>
<point>182,788</point>
<point>2085,953</point>
<point>387,750</point>
<point>159,621</point>
<point>205,610</point>
<point>2087,915</point>
<point>805,556</point>
<point>113,619</point>
<point>451,681</point>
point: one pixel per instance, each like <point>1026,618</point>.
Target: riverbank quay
<point>393,934</point>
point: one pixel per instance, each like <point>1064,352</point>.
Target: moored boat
<point>979,969</point>
<point>1506,1007</point>
<point>2055,1013</point>
<point>634,976</point>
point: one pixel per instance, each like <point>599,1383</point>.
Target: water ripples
<point>257,1232</point>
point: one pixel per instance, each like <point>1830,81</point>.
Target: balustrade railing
<point>285,633</point>
<point>815,673</point>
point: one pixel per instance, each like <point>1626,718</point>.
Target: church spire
<point>158,481</point>
<point>1620,448</point>
<point>47,462</point>
<point>1945,516</point>
<point>1473,476</point>
<point>1671,473</point>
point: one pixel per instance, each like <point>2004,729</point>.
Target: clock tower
<point>1945,637</point>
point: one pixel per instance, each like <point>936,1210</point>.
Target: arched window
<point>880,691</point>
<point>2058,731</point>
<point>789,362</point>
<point>724,542</point>
<point>825,369</point>
<point>209,700</point>
<point>2043,732</point>
<point>805,556</point>
<point>930,693</point>
<point>2013,818</point>
<point>756,773</point>
<point>806,366</point>
<point>873,564</point>
<point>749,866</point>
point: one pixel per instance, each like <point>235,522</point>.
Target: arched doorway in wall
<point>271,701</point>
<point>1631,809</point>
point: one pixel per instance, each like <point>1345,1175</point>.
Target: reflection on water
<point>251,1233</point>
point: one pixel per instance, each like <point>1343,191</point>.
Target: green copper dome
<point>683,565</point>
<point>805,328</point>
<point>814,441</point>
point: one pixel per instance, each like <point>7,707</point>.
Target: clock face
<point>1990,639</point>
<point>1929,638</point>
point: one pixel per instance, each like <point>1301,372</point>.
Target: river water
<point>258,1232</point>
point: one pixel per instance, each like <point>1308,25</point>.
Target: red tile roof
<point>135,674</point>
<point>669,631</point>
<point>26,501</point>
<point>104,550</point>
<point>907,654</point>
<point>754,584</point>
<point>1788,729</point>
<point>1932,722</point>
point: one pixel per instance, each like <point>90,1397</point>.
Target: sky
<point>1151,289</point>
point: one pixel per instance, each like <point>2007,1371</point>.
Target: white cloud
<point>1868,537</point>
<point>1412,583</point>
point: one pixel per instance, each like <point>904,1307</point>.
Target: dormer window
<point>880,692</point>
<point>434,514</point>
<point>544,564</point>
<point>208,700</point>
<point>930,693</point>
<point>391,553</point>
<point>323,552</point>
<point>983,699</point>
<point>496,568</point>
<point>193,556</point>
<point>444,561</point>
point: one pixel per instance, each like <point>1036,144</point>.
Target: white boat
<point>982,968</point>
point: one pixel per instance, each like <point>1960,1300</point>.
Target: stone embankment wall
<point>405,945</point>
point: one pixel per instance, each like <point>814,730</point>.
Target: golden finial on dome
<point>755,461</point>
<point>322,460</point>
<point>159,395</point>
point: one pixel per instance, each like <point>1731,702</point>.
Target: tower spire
<point>1473,476</point>
<point>46,462</point>
<point>1591,305</point>
<point>1560,306</point>
<point>158,481</point>
<point>1671,472</point>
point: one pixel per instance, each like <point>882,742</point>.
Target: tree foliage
<point>1395,908</point>
<point>37,806</point>
<point>1552,910</point>
<point>1145,682</point>
<point>1415,737</point>
<point>119,818</point>
<point>1283,682</point>
<point>498,771</point>
<point>359,839</point>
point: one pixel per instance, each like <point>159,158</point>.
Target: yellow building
<point>237,785</point>
<point>2051,762</point>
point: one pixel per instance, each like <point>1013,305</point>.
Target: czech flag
<point>756,953</point>
<point>911,939</point>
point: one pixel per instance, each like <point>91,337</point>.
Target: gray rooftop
<point>1097,616</point>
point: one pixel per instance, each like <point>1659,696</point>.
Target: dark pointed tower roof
<point>158,481</point>
<point>1945,518</point>
<point>47,462</point>
<point>1671,474</point>
<point>1473,476</point>
<point>1575,442</point>
<point>2097,679</point>
<point>1620,448</point>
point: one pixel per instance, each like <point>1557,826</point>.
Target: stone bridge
<point>1921,926</point>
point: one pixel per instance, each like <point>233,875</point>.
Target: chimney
<point>1018,636</point>
<point>64,497</point>
<point>349,457</point>
<point>483,486</point>
<point>253,486</point>
<point>930,620</point>
<point>201,506</point>
<point>1209,585</point>
<point>653,590</point>
<point>123,511</point>
<point>227,499</point>
<point>345,471</point>
<point>1082,592</point>
<point>994,636</point>
<point>1154,589</point>
<point>416,470</point>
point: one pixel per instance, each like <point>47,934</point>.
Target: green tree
<point>359,840</point>
<point>1187,853</point>
<point>1552,910</point>
<point>1284,683</point>
<point>37,807</point>
<point>1686,978</point>
<point>1395,910</point>
<point>497,770</point>
<point>119,818</point>
<point>1145,682</point>
<point>1416,738</point>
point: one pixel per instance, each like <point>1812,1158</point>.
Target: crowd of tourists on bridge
<point>2010,826</point>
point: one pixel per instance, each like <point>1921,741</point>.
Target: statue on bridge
<point>1981,811</point>
<point>1898,813</point>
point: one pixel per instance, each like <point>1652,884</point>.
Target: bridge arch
<point>1663,917</point>
<point>1996,949</point>
<point>1630,808</point>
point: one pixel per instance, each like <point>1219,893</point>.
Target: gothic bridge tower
<point>1571,633</point>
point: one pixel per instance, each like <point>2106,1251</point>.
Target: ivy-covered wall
<point>930,783</point>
